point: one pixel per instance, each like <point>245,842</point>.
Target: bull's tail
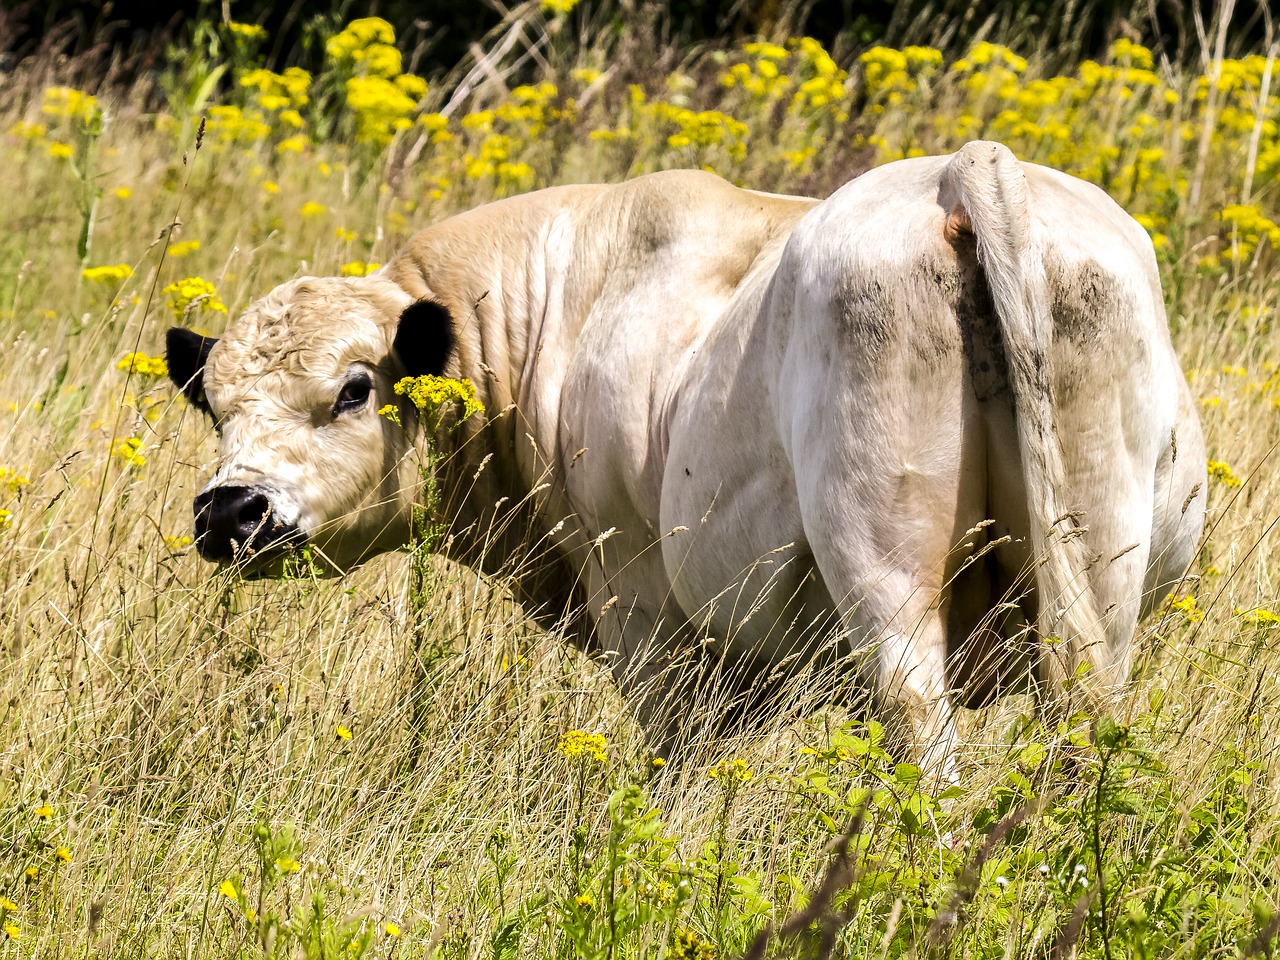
<point>986,192</point>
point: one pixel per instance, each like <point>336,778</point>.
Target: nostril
<point>253,513</point>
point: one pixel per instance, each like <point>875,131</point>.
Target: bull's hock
<point>841,434</point>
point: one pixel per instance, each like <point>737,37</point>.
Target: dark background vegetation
<point>137,32</point>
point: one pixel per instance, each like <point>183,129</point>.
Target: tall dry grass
<point>157,712</point>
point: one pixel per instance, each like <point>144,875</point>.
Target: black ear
<point>425,338</point>
<point>185,353</point>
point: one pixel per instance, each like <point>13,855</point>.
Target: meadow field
<point>390,766</point>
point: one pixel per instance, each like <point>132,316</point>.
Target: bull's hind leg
<point>879,511</point>
<point>1179,505</point>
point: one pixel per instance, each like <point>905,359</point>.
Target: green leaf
<point>1109,734</point>
<point>907,774</point>
<point>914,814</point>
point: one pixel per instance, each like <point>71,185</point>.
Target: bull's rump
<point>868,420</point>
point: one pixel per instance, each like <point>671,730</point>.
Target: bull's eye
<point>354,394</point>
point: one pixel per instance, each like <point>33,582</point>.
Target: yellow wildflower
<point>12,481</point>
<point>358,35</point>
<point>769,51</point>
<point>689,946</point>
<point>228,889</point>
<point>1187,606</point>
<point>583,900</point>
<point>358,268</point>
<point>312,209</point>
<point>248,31</point>
<point>32,873</point>
<point>28,131</point>
<point>61,151</point>
<point>579,743</point>
<point>558,8</point>
<point>143,365</point>
<point>288,865</point>
<point>129,451</point>
<point>431,394</point>
<point>44,811</point>
<point>7,904</point>
<point>63,854</point>
<point>192,294</point>
<point>345,235</point>
<point>11,930</point>
<point>1262,617</point>
<point>70,103</point>
<point>6,518</point>
<point>184,248</point>
<point>115,273</point>
<point>390,929</point>
<point>1221,471</point>
<point>731,771</point>
<point>342,732</point>
<point>411,85</point>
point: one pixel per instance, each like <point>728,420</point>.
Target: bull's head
<point>294,388</point>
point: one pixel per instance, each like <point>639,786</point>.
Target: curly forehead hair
<point>307,324</point>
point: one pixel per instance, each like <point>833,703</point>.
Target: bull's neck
<point>489,266</point>
<point>498,270</point>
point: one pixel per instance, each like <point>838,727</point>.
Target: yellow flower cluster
<point>382,98</point>
<point>70,103</point>
<point>193,294</point>
<point>278,99</point>
<point>702,128</point>
<point>247,31</point>
<point>1245,227</point>
<point>115,273</point>
<point>143,365</point>
<point>689,946</point>
<point>1187,606</point>
<point>179,250</point>
<point>1222,472</point>
<point>731,771</point>
<point>1263,618</point>
<point>431,395</point>
<point>886,71</point>
<point>577,744</point>
<point>230,124</point>
<point>129,452</point>
<point>558,8</point>
<point>358,268</point>
<point>804,65</point>
<point>279,91</point>
<point>354,43</point>
<point>12,481</point>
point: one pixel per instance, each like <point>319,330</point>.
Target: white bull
<point>838,432</point>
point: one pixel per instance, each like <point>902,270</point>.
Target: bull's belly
<point>739,566</point>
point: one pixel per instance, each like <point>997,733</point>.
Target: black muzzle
<point>236,524</point>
